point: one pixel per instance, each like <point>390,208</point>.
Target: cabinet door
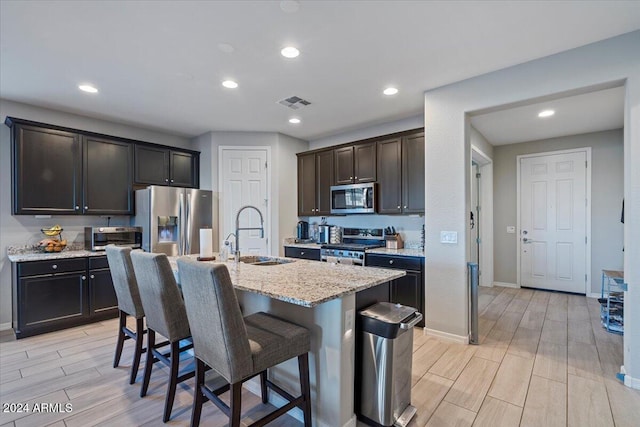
<point>365,162</point>
<point>307,185</point>
<point>151,165</point>
<point>103,295</point>
<point>47,171</point>
<point>413,173</point>
<point>407,290</point>
<point>183,169</point>
<point>324,181</point>
<point>52,299</point>
<point>108,177</point>
<point>343,165</point>
<point>389,176</point>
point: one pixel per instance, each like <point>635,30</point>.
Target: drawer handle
<point>390,261</point>
<point>398,207</point>
<point>84,277</point>
<point>350,177</point>
<point>356,177</point>
<point>405,207</point>
<point>92,276</point>
<point>302,253</point>
<point>77,207</point>
<point>54,266</point>
<point>86,207</point>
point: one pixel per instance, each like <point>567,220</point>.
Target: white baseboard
<point>594,295</point>
<point>459,339</point>
<point>506,285</point>
<point>5,326</point>
<point>630,381</point>
<point>486,286</point>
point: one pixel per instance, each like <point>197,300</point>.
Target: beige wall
<point>607,171</point>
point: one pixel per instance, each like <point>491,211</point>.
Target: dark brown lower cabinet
<point>407,290</point>
<point>58,294</point>
<point>303,253</point>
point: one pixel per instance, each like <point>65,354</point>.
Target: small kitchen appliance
<point>353,198</point>
<point>303,230</point>
<point>324,234</point>
<point>97,238</point>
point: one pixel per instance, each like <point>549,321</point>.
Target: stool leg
<point>263,386</point>
<point>173,380</point>
<point>198,397</point>
<point>303,368</point>
<point>151,342</point>
<point>236,404</point>
<point>121,323</point>
<point>138,351</point>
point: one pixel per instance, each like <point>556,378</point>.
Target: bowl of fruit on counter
<point>53,242</point>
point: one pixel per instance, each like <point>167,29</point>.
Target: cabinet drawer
<point>399,262</point>
<point>98,262</point>
<point>35,268</point>
<point>304,253</point>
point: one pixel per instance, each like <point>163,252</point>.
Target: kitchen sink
<point>263,260</point>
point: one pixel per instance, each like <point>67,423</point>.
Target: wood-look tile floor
<point>544,360</point>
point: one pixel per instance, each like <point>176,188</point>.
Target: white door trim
<point>485,167</point>
<point>269,214</point>
<point>587,151</point>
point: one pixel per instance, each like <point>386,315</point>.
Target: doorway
<point>554,200</point>
<point>243,180</point>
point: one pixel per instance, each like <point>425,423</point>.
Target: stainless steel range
<point>355,241</point>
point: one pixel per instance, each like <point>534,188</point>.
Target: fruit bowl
<point>52,245</point>
<point>52,231</point>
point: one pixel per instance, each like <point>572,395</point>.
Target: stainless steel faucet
<point>261,228</point>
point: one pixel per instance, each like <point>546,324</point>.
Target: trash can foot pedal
<point>406,416</point>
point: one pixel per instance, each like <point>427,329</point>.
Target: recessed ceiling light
<point>546,113</point>
<point>390,91</point>
<point>294,120</point>
<point>230,84</point>
<point>290,52</point>
<point>88,88</point>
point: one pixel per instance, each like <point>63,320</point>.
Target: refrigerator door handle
<point>189,231</point>
<point>181,225</point>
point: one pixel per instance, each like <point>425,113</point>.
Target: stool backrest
<point>163,305</point>
<point>124,280</point>
<point>219,334</point>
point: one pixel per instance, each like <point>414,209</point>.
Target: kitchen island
<point>324,298</point>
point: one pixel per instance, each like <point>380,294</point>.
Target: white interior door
<point>244,182</point>
<point>553,222</point>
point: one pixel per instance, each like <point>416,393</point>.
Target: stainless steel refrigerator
<point>171,218</point>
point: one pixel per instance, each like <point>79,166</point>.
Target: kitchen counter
<point>302,282</point>
<point>398,252</point>
<point>325,299</point>
<point>27,253</point>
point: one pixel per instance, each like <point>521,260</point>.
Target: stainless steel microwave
<point>353,198</point>
<point>97,238</point>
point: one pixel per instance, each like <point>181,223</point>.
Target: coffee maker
<point>303,230</point>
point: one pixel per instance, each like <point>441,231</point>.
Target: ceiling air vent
<point>294,102</point>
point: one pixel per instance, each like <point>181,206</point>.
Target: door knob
<point>525,240</point>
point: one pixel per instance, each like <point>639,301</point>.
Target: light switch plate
<point>511,229</point>
<point>449,237</point>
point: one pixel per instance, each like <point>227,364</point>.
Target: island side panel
<point>331,360</point>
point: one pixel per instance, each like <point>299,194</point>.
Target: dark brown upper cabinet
<point>108,177</point>
<point>413,173</point>
<point>315,178</point>
<point>401,175</point>
<point>57,172</point>
<point>161,166</point>
<point>47,171</point>
<point>355,164</point>
<point>390,176</point>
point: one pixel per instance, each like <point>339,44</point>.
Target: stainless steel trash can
<point>385,380</point>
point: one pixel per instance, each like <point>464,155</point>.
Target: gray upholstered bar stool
<point>129,304</point>
<point>166,315</point>
<point>238,348</point>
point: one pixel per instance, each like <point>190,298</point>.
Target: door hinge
<point>478,241</point>
<point>585,278</point>
<point>478,175</point>
<point>478,208</point>
<point>585,240</point>
<point>585,163</point>
<point>265,165</point>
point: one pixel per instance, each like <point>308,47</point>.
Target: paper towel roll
<point>206,242</point>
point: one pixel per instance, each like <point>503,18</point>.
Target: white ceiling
<point>159,65</point>
<point>590,112</point>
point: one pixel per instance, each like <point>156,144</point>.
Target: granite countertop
<point>400,252</point>
<point>302,282</point>
<point>29,253</point>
